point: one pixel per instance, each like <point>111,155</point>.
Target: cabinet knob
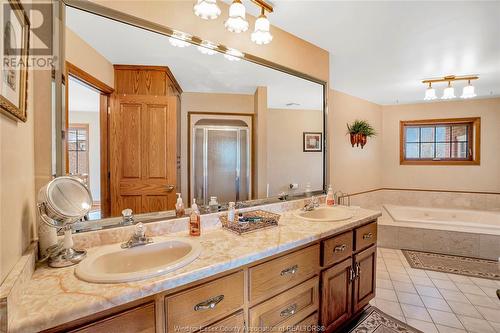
<point>368,236</point>
<point>170,187</point>
<point>209,303</point>
<point>290,270</point>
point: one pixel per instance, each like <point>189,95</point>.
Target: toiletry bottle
<point>213,205</point>
<point>194,220</point>
<point>330,201</point>
<point>231,212</point>
<point>179,206</point>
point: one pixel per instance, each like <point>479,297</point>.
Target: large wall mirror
<point>147,116</point>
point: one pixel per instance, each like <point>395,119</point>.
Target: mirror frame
<point>59,102</point>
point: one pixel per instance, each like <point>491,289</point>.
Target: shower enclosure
<point>221,160</point>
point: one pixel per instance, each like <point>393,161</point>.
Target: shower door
<point>221,163</point>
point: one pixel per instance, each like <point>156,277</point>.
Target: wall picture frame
<point>312,142</point>
<point>14,48</point>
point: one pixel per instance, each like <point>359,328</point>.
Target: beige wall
<point>82,55</point>
<point>485,177</point>
<point>353,169</point>
<point>17,185</point>
<point>285,49</point>
<point>206,102</point>
<point>287,162</point>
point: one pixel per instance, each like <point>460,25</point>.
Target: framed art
<point>14,49</point>
<point>312,142</point>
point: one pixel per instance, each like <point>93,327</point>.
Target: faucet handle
<point>139,230</point>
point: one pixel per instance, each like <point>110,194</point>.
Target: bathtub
<point>472,221</point>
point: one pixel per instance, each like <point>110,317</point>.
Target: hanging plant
<point>359,131</point>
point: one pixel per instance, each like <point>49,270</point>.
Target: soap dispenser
<point>330,201</point>
<point>194,220</point>
<point>179,206</point>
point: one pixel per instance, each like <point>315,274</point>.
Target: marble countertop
<point>56,296</point>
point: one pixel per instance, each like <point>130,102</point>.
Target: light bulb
<point>178,39</point>
<point>430,93</point>
<point>236,21</point>
<point>233,55</point>
<point>207,9</point>
<point>261,34</point>
<point>449,92</point>
<point>468,91</point>
<point>207,48</point>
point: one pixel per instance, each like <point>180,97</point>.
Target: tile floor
<point>435,302</point>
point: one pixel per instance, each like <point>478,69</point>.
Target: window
<point>440,141</point>
<point>78,153</point>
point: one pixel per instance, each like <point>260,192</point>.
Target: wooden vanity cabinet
<point>327,282</point>
<point>347,286</point>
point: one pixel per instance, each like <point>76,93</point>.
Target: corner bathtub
<point>472,221</point>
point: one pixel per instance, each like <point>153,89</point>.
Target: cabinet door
<point>336,291</point>
<point>364,286</point>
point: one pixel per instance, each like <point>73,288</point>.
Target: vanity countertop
<point>56,296</point>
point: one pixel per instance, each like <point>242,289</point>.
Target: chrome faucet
<point>138,238</point>
<point>313,203</point>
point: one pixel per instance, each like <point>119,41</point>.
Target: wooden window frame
<point>474,139</point>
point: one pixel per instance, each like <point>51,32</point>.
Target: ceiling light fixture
<point>179,39</point>
<point>207,9</point>
<point>261,34</point>
<point>233,55</point>
<point>430,93</point>
<point>207,48</point>
<point>237,18</point>
<point>449,91</point>
<point>468,91</point>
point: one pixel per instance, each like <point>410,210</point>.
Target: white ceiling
<point>81,97</point>
<point>194,71</point>
<point>381,50</point>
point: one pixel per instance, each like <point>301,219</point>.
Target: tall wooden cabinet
<point>143,144</point>
<point>348,277</point>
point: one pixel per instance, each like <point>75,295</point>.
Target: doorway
<point>86,135</point>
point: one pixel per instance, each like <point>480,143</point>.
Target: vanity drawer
<point>287,309</point>
<point>282,273</point>
<point>232,324</point>
<point>366,236</point>
<point>337,248</point>
<point>203,305</point>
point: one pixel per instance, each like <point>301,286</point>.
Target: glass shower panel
<point>222,164</point>
<point>198,153</point>
<point>244,173</point>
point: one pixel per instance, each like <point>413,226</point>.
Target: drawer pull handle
<point>340,248</point>
<point>209,303</point>
<point>352,275</point>
<point>289,311</point>
<point>368,236</point>
<point>358,271</point>
<point>290,270</point>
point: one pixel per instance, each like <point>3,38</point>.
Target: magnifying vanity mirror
<point>62,202</point>
<point>147,114</point>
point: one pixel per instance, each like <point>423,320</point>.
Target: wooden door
<point>336,292</point>
<point>364,286</point>
<point>143,142</point>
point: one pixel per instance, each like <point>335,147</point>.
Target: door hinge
<point>109,109</point>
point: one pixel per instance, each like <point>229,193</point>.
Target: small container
<point>179,206</point>
<point>194,220</point>
<point>213,205</point>
<point>307,192</point>
<point>231,212</point>
<point>330,201</point>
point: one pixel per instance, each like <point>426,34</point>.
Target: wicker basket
<point>268,220</point>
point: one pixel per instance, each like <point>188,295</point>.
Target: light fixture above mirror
<point>237,22</point>
<point>449,92</point>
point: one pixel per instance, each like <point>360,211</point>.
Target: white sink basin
<point>326,214</point>
<point>112,264</point>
